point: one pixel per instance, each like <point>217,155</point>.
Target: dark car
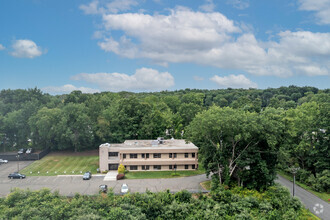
<point>87,176</point>
<point>103,188</point>
<point>16,176</point>
<point>21,151</point>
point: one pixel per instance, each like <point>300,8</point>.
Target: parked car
<point>3,161</point>
<point>124,188</point>
<point>16,176</point>
<point>103,188</point>
<point>87,176</point>
<point>21,151</point>
<point>29,150</point>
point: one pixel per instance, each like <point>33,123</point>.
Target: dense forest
<point>243,135</point>
<point>238,203</point>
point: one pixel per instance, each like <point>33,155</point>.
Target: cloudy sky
<point>153,45</point>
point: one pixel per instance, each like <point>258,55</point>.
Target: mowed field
<point>63,163</point>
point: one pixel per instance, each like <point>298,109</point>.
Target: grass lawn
<point>161,174</point>
<point>164,174</point>
<point>324,196</point>
<point>62,165</point>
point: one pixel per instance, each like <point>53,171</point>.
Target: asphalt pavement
<point>316,205</point>
<point>71,184</point>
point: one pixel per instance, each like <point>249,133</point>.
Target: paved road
<point>308,199</point>
<point>69,185</point>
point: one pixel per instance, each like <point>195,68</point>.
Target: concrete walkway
<point>316,205</point>
<point>111,176</point>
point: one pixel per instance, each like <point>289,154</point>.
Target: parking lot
<point>69,185</point>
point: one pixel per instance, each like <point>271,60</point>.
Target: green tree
<point>233,141</point>
<point>75,128</point>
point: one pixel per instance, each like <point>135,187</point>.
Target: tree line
<point>242,134</point>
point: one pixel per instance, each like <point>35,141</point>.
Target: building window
<point>186,167</point>
<point>174,155</point>
<point>175,166</point>
<point>170,155</point>
<point>193,155</point>
<point>147,155</point>
<point>147,167</point>
<point>157,167</point>
<point>157,155</point>
<point>143,155</point>
<point>170,167</point>
<point>193,166</point>
<point>113,154</point>
<point>124,156</point>
<point>132,156</point>
<point>133,167</point>
<point>186,155</point>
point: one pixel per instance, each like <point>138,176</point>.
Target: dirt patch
<point>71,153</point>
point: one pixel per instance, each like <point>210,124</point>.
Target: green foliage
<point>238,203</point>
<point>121,168</point>
<point>295,118</point>
<point>238,145</point>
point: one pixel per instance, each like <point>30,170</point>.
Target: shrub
<point>183,196</point>
<point>302,175</point>
<point>121,168</point>
<point>323,180</point>
<point>120,176</point>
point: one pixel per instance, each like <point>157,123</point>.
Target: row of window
<point>157,155</point>
<point>159,167</point>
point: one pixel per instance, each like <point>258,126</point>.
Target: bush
<point>183,196</point>
<point>302,175</point>
<point>175,174</point>
<point>121,168</point>
<point>120,176</point>
<point>322,183</point>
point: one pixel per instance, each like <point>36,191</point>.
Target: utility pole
<point>294,170</point>
<point>17,163</point>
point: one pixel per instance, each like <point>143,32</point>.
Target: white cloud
<point>184,34</point>
<point>101,7</point>
<point>143,79</point>
<point>211,39</point>
<point>239,4</point>
<point>121,5</point>
<point>233,81</point>
<point>91,8</point>
<point>67,89</point>
<point>208,6</point>
<point>320,7</point>
<point>26,49</point>
<point>2,47</point>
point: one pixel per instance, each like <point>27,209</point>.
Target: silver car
<point>3,161</point>
<point>124,189</point>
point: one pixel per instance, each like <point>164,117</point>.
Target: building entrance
<point>113,166</point>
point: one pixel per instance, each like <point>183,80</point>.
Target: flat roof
<point>152,144</point>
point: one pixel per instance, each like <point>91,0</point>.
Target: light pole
<point>17,163</point>
<point>294,170</point>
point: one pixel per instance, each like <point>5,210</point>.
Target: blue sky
<point>153,45</point>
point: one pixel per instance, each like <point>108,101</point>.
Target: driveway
<point>316,205</point>
<point>69,185</point>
